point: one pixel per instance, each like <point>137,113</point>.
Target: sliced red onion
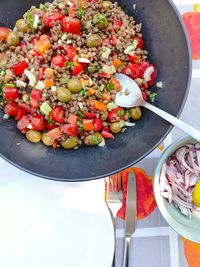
<point>180,153</point>
<point>197,146</point>
<point>178,177</point>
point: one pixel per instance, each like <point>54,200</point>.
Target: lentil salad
<point>57,71</point>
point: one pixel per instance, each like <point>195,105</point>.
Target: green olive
<point>47,140</point>
<point>93,139</point>
<point>136,113</point>
<point>101,21</point>
<point>93,40</point>
<point>13,39</point>
<point>74,85</point>
<point>21,25</point>
<point>106,5</point>
<point>115,127</point>
<point>63,94</point>
<point>70,143</point>
<point>33,136</point>
<point>104,115</point>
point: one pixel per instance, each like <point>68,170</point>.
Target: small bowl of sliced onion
<point>177,187</point>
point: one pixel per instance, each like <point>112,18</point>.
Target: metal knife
<point>130,220</point>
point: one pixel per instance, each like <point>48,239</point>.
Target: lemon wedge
<point>196,194</point>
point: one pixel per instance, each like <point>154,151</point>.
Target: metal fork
<point>114,194</point>
<point>114,197</point>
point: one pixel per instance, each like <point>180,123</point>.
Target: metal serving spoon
<point>130,96</point>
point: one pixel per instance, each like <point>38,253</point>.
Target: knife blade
<point>130,219</point>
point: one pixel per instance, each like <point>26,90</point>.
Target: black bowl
<point>166,40</point>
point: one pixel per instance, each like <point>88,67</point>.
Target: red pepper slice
<point>19,68</point>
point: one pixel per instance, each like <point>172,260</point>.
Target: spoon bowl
<point>130,96</point>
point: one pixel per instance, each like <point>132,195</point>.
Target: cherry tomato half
<point>21,113</point>
<point>70,52</point>
<point>38,122</point>
<point>58,61</point>
<point>140,42</point>
<point>116,114</point>
<point>57,114</point>
<point>50,126</point>
<point>11,109</point>
<point>35,98</point>
<point>78,68</point>
<point>50,17</point>
<point>27,108</point>
<point>10,93</point>
<point>97,124</point>
<point>134,71</point>
<point>23,124</point>
<point>69,129</point>
<point>71,25</point>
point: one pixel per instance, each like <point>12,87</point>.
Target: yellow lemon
<point>196,194</point>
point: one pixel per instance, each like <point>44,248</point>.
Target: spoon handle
<point>175,121</point>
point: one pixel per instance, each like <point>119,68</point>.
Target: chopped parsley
<point>93,68</point>
<point>70,65</point>
<point>80,114</point>
<point>110,87</point>
<point>84,92</point>
<point>50,120</point>
<point>81,128</point>
<point>80,13</point>
<point>152,96</point>
<point>95,139</point>
<point>29,17</point>
<point>120,113</point>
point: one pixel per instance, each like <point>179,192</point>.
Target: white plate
<point>52,224</point>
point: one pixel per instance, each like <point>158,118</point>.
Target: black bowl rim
<point>159,141</point>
